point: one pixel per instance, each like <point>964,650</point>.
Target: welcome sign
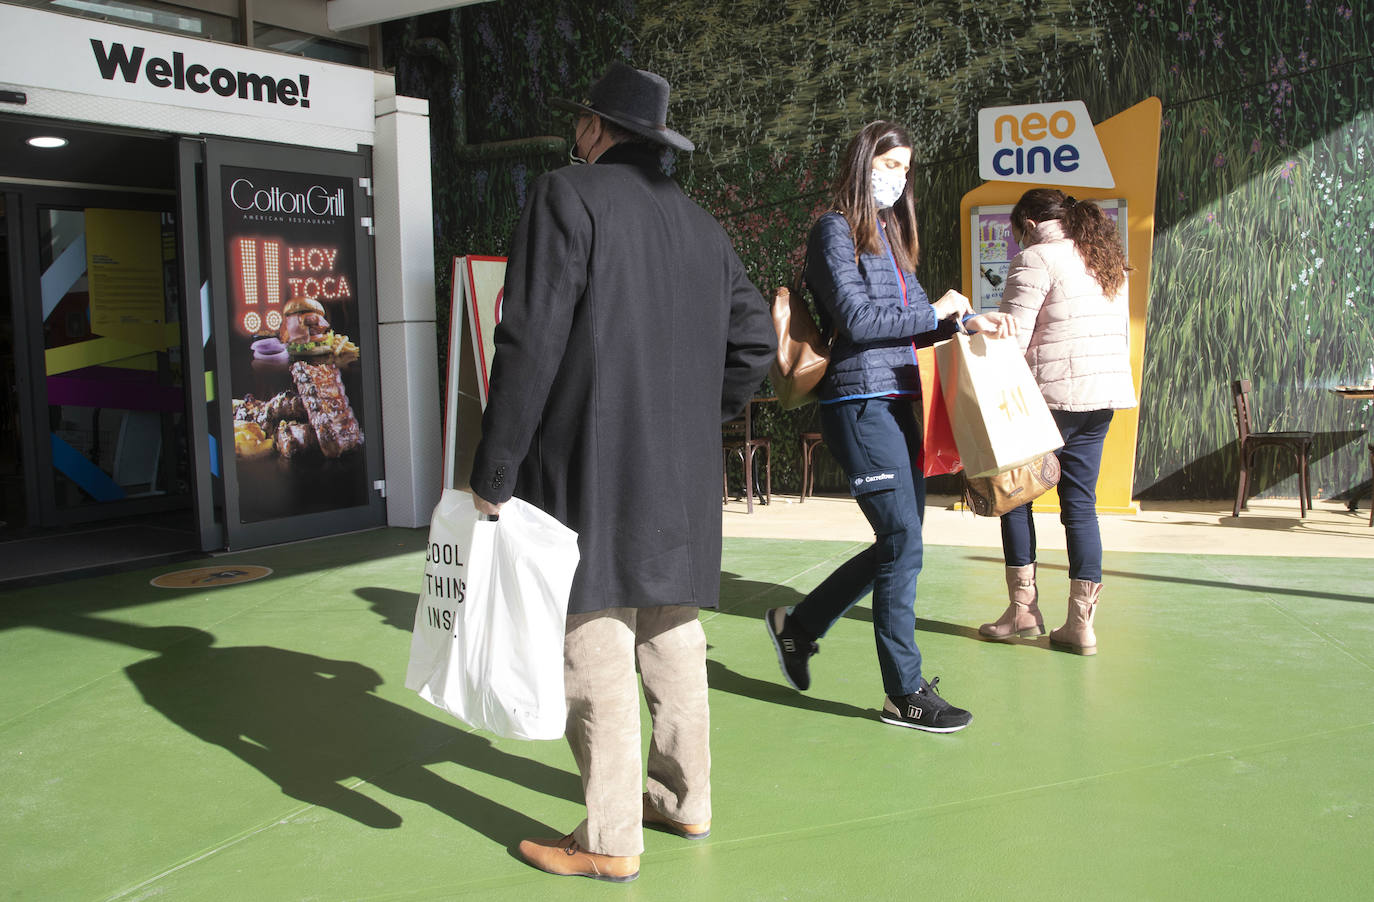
<point>66,53</point>
<point>1044,143</point>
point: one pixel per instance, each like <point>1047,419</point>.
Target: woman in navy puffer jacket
<point>861,268</point>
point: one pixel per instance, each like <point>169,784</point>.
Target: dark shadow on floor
<point>741,597</point>
<point>309,723</point>
<point>724,679</point>
<point>396,608</point>
<point>1199,478</point>
<point>1282,522</point>
<point>751,598</point>
<point>961,630</point>
<point>20,600</point>
<point>748,598</point>
<point>1209,583</point>
<point>39,556</point>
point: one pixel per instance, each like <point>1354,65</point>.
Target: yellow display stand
<point>1130,141</point>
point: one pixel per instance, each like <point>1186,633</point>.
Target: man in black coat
<point>629,333</point>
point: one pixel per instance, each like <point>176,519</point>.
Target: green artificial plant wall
<point>1265,211</point>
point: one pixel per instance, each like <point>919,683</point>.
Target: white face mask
<point>888,185</point>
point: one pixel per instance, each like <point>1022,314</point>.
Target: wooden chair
<point>738,439</point>
<point>809,442</point>
<point>1298,443</point>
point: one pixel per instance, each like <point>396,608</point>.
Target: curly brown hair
<point>1093,234</point>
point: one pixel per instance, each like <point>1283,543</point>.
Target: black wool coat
<point>629,332</point>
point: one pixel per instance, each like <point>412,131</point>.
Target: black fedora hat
<point>635,100</point>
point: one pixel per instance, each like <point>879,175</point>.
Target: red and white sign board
<point>478,284</point>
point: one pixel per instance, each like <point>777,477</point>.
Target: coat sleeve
<point>839,287</point>
<point>546,276</point>
<point>750,345</point>
<point>1028,284</point>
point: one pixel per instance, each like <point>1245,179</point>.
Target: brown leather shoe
<point>655,818</point>
<point>566,859</point>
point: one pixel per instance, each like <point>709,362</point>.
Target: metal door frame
<point>207,489</point>
<point>14,238</point>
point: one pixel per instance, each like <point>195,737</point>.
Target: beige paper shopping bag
<point>999,417</point>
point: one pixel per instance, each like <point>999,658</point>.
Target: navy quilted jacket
<point>862,304</point>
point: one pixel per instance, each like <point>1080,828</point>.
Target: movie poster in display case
<point>295,343</point>
<point>994,247</point>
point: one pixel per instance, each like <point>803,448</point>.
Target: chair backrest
<point>741,429</point>
<point>1240,395</point>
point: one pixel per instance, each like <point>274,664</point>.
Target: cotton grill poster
<point>293,338</point>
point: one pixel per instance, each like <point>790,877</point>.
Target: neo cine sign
<point>1045,143</point>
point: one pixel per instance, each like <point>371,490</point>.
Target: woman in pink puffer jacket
<point>1067,292</point>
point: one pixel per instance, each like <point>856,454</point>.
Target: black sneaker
<point>925,710</point>
<point>793,648</point>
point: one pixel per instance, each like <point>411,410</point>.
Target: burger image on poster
<point>304,329</point>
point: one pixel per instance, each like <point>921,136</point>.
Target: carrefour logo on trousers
<point>1047,143</point>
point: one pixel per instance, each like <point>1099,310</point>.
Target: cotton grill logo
<point>315,200</point>
<point>118,61</point>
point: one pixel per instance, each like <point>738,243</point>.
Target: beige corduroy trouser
<point>603,720</point>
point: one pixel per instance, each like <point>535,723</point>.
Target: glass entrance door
<point>107,429</point>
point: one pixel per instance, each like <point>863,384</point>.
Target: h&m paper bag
<point>999,417</point>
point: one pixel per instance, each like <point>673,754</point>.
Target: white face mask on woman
<point>888,185</point>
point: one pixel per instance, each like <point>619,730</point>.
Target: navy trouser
<point>1079,460</point>
<point>875,441</point>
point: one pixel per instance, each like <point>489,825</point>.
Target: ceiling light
<point>47,141</point>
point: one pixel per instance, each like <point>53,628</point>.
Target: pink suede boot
<point>1022,616</point>
<point>1076,635</point>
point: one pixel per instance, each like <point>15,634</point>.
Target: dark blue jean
<point>1080,460</point>
<point>875,441</point>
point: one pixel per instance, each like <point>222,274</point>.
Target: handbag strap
<point>795,286</point>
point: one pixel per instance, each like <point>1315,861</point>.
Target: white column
<point>403,224</point>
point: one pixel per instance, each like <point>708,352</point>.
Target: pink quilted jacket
<point>1077,341</point>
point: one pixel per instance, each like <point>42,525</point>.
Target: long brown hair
<point>1095,236</point>
<point>854,196</point>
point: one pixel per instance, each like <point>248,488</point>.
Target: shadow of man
<point>309,723</point>
<point>396,608</point>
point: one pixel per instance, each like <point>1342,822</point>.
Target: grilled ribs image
<point>321,392</point>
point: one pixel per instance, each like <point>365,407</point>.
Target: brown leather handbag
<point>803,353</point>
<point>993,496</point>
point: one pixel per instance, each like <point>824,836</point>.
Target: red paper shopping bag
<point>939,454</point>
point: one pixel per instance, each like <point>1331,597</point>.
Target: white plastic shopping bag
<point>488,640</point>
<point>1000,419</point>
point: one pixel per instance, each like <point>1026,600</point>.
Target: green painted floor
<point>257,742</point>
